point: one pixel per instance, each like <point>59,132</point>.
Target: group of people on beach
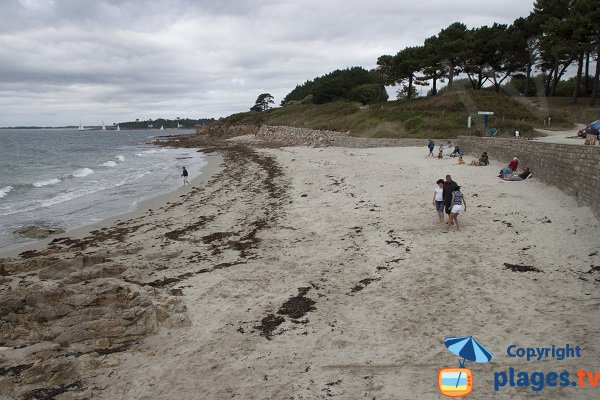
<point>449,199</point>
<point>444,150</point>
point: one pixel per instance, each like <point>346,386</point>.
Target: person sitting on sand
<point>455,152</point>
<point>449,148</point>
<point>461,161</point>
<point>458,200</point>
<point>438,199</point>
<point>505,173</point>
<point>509,170</point>
<point>483,161</point>
<point>521,177</point>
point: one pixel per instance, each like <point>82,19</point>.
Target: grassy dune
<point>440,116</point>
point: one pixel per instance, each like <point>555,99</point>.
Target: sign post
<point>486,115</point>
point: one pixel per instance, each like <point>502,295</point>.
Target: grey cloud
<point>66,60</point>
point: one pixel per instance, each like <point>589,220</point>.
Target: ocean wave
<point>146,153</point>
<point>63,197</point>
<point>120,158</point>
<point>80,173</point>
<point>4,191</point>
<point>149,152</point>
<point>109,164</point>
<point>47,182</point>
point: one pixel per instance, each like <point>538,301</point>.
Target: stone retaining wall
<point>291,136</point>
<point>573,169</point>
<point>226,131</point>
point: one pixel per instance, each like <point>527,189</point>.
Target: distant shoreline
<point>86,128</point>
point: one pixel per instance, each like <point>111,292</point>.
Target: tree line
<point>556,35</point>
<point>165,123</point>
<point>528,57</point>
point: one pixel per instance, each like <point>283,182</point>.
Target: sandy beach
<point>308,273</point>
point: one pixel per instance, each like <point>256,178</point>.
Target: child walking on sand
<point>458,200</point>
<point>438,199</point>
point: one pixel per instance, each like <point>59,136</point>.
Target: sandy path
<point>568,136</point>
<point>357,229</point>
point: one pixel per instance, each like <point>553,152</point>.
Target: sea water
<point>65,178</point>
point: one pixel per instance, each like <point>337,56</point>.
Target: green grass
<point>436,117</point>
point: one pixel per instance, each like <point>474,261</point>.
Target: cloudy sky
<point>65,61</point>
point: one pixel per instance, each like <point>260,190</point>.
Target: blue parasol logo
<point>458,382</point>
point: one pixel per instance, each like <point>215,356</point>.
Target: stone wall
<point>291,136</point>
<point>223,131</point>
<point>573,169</point>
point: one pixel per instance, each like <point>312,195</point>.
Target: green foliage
<point>406,93</point>
<point>339,85</point>
<point>263,102</point>
<point>413,124</point>
<point>368,93</point>
<point>438,116</point>
<point>166,123</point>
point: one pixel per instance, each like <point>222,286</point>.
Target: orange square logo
<point>455,382</point>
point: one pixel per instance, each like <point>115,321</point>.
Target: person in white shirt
<point>438,199</point>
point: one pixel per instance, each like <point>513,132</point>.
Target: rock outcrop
<point>37,232</point>
<point>58,315</point>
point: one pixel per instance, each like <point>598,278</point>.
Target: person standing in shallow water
<point>185,176</point>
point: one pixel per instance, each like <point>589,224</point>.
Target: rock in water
<point>37,232</point>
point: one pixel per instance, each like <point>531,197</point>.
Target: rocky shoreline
<point>66,310</point>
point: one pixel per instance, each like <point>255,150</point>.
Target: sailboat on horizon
<point>103,126</point>
<point>81,128</point>
<point>118,127</point>
<point>162,128</point>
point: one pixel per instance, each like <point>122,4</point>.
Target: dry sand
<point>345,244</point>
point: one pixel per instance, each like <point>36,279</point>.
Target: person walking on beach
<point>185,176</point>
<point>458,200</point>
<point>449,187</point>
<point>431,146</point>
<point>438,199</point>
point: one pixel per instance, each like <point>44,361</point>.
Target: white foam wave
<point>149,152</point>
<point>80,173</point>
<point>4,191</point>
<point>61,198</point>
<point>120,158</point>
<point>109,164</point>
<point>47,182</point>
<point>146,153</point>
